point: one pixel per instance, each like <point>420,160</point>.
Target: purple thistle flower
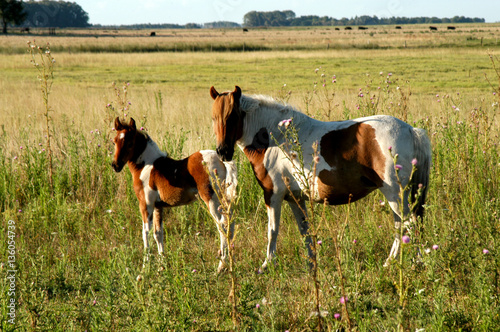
<point>257,306</point>
<point>406,239</point>
<point>435,247</point>
<point>320,242</point>
<point>343,299</point>
<point>336,316</point>
<point>398,167</point>
<point>414,161</point>
<point>486,251</point>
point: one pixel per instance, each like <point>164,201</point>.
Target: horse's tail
<point>420,180</point>
<point>231,179</point>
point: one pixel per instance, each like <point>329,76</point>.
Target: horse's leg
<point>394,203</point>
<point>300,212</point>
<point>273,225</point>
<point>220,221</point>
<point>147,223</point>
<point>158,228</point>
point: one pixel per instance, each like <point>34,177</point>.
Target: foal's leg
<point>158,228</point>
<point>220,221</point>
<point>300,213</point>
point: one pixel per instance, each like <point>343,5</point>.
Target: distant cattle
<point>27,30</point>
<point>362,28</point>
<point>451,28</point>
<point>398,27</point>
<point>337,29</point>
<point>433,28</point>
<point>152,34</point>
<point>347,28</point>
<point>245,30</point>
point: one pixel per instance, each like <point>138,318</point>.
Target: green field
<point>78,247</point>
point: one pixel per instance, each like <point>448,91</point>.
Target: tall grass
<point>79,252</point>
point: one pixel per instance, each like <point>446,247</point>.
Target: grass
<point>79,251</point>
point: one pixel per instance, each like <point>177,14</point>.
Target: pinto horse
<point>160,181</point>
<point>352,158</point>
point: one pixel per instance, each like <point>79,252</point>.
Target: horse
<point>350,159</point>
<point>162,182</point>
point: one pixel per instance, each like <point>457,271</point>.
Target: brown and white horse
<point>160,181</point>
<point>354,158</point>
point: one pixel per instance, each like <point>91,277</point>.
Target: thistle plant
<point>42,60</point>
<point>229,232</point>
<point>306,175</point>
<point>405,239</point>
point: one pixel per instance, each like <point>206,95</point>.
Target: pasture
<point>78,249</point>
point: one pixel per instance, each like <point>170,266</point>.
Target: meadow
<point>72,254</point>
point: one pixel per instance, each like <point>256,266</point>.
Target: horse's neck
<point>268,116</point>
<point>150,153</point>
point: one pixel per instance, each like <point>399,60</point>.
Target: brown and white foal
<point>160,181</point>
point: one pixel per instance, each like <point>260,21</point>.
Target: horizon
<point>128,12</point>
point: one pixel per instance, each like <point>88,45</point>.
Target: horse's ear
<point>237,93</point>
<point>118,124</point>
<point>132,124</point>
<point>213,93</point>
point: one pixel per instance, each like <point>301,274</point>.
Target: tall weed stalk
<point>42,60</point>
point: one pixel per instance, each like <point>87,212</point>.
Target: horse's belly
<point>338,190</point>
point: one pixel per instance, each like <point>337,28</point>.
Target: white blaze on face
<point>122,136</point>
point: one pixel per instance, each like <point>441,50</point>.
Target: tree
<point>55,14</point>
<point>11,11</point>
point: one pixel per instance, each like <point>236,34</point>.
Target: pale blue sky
<point>109,12</point>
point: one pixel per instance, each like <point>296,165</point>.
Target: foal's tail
<point>231,179</point>
<point>420,180</point>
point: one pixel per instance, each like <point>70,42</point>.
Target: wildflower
<point>381,73</point>
<point>316,70</point>
<point>406,239</point>
<point>435,247</point>
<point>139,278</point>
<point>343,299</point>
<point>414,161</point>
<point>21,147</point>
<point>316,159</point>
<point>336,316</point>
<point>194,271</point>
<point>390,148</point>
<point>142,128</point>
<point>354,241</point>
<point>94,302</point>
<point>257,306</point>
<point>22,211</point>
<point>398,167</point>
<point>427,251</point>
<point>320,242</point>
<point>15,157</point>
<point>486,251</point>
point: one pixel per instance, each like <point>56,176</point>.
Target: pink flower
<point>414,161</point>
<point>486,251</point>
<point>336,316</point>
<point>435,247</point>
<point>398,167</point>
<point>406,239</point>
<point>320,242</point>
<point>257,306</point>
<point>343,299</point>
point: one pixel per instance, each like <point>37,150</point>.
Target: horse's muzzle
<point>117,166</point>
<point>225,152</point>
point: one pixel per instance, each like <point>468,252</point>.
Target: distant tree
<point>56,14</point>
<point>11,12</point>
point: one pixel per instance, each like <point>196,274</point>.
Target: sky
<point>118,12</point>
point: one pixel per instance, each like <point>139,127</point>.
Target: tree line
<point>288,18</point>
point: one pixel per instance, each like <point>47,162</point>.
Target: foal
<point>160,181</point>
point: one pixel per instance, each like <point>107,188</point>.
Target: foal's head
<point>227,120</point>
<point>125,143</point>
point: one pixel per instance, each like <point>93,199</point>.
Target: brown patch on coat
<point>357,161</point>
<point>178,181</point>
<point>255,154</point>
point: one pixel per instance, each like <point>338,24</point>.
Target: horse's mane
<point>250,103</point>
